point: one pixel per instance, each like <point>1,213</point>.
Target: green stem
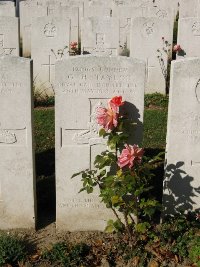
<point>117,216</point>
<point>127,225</point>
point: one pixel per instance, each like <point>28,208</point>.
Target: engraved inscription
<point>82,203</point>
<point>50,30</point>
<point>7,137</point>
<point>196,28</point>
<point>8,87</point>
<point>4,51</point>
<point>98,80</point>
<point>100,51</point>
<point>148,28</point>
<point>189,127</point>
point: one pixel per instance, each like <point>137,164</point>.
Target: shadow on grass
<point>45,188</point>
<point>157,181</point>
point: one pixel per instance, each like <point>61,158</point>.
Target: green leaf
<point>76,174</point>
<point>102,132</point>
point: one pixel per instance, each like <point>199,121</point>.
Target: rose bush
<point>122,173</point>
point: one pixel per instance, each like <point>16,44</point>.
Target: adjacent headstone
<point>49,43</point>
<point>84,83</point>
<point>124,13</point>
<point>9,36</point>
<point>7,9</point>
<point>100,36</point>
<point>29,12</point>
<point>17,179</point>
<point>150,39</point>
<point>189,8</point>
<point>181,184</point>
<point>189,37</point>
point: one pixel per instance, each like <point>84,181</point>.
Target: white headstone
<point>9,36</point>
<point>49,43</point>
<point>82,84</point>
<point>189,8</point>
<point>189,37</point>
<point>100,36</point>
<point>7,9</point>
<point>17,179</point>
<point>29,12</point>
<point>124,13</point>
<point>150,38</point>
<point>181,184</point>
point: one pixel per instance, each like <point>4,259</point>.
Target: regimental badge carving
<point>50,30</point>
<point>197,91</point>
<point>148,28</point>
<point>91,136</point>
<point>196,28</point>
<point>7,137</point>
<point>161,13</point>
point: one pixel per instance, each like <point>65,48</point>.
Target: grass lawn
<point>155,125</point>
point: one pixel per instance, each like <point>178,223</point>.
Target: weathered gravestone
<point>53,9</point>
<point>100,36</point>
<point>84,83</point>
<point>9,36</point>
<point>189,8</point>
<point>49,43</point>
<point>189,37</point>
<point>7,9</point>
<point>124,13</point>
<point>182,181</point>
<point>150,38</point>
<point>17,179</point>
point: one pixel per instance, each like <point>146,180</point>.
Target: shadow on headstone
<point>129,110</point>
<point>178,184</point>
<point>46,194</point>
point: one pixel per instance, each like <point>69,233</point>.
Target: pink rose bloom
<point>177,48</point>
<point>107,118</point>
<point>130,155</point>
<point>115,103</point>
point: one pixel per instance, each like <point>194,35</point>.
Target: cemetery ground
<point>174,243</point>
